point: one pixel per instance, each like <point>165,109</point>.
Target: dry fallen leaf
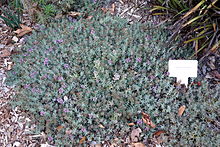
<point>181,110</point>
<point>5,53</point>
<point>82,140</point>
<point>8,41</point>
<point>138,144</point>
<point>59,128</point>
<point>104,9</point>
<point>146,119</point>
<point>157,133</point>
<point>24,30</point>
<point>216,74</point>
<point>101,126</point>
<point>89,17</point>
<point>131,124</point>
<point>112,9</point>
<point>74,14</point>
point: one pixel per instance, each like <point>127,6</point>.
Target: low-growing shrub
<point>92,77</point>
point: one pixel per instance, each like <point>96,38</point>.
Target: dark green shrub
<point>104,71</point>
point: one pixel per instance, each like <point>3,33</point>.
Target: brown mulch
<point>15,126</point>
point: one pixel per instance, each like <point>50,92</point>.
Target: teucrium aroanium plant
<point>105,71</point>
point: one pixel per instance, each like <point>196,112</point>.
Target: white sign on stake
<point>183,69</point>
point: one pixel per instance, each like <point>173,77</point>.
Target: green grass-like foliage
<point>105,71</point>
<point>195,21</point>
<point>11,19</point>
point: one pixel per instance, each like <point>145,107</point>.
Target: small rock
<point>27,119</point>
<point>15,39</point>
<point>135,134</point>
<point>208,76</point>
<point>212,58</point>
<point>65,98</point>
<point>6,89</point>
<point>2,46</point>
<point>22,40</point>
<point>11,129</point>
<point>204,70</point>
<point>16,143</point>
<point>127,140</point>
<point>116,77</point>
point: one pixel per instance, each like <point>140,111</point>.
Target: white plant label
<point>183,69</point>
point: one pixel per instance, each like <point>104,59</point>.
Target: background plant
<point>74,77</point>
<point>196,21</point>
<point>13,19</point>
<point>50,8</point>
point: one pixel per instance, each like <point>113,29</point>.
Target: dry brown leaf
<point>146,119</point>
<point>138,144</point>
<point>8,41</point>
<point>181,110</point>
<point>131,124</point>
<point>104,9</point>
<point>214,26</point>
<point>5,53</point>
<point>89,17</point>
<point>101,126</point>
<point>196,47</point>
<point>215,47</point>
<point>157,133</point>
<point>216,74</point>
<point>24,30</point>
<point>112,10</point>
<point>74,14</point>
<point>59,128</point>
<point>82,140</point>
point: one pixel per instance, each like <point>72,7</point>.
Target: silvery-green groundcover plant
<point>73,78</point>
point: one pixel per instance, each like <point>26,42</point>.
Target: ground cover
<point>84,82</point>
<point>138,104</point>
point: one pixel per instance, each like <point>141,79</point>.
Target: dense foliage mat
<point>93,77</point>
